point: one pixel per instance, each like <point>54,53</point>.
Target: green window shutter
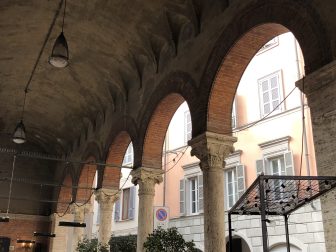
<point>260,166</point>
<point>131,205</point>
<point>289,164</point>
<point>240,173</point>
<point>200,194</point>
<point>117,211</point>
<point>182,197</point>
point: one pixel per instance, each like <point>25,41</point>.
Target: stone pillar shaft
<point>106,198</point>
<point>212,149</point>
<point>146,178</point>
<point>78,233</point>
<point>320,90</point>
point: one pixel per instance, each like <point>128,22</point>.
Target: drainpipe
<point>165,169</point>
<point>304,131</point>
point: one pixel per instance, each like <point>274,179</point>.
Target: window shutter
<point>117,211</point>
<point>267,167</point>
<point>131,208</point>
<point>182,197</point>
<point>289,164</point>
<point>226,198</point>
<point>200,194</point>
<point>98,215</point>
<point>260,166</point>
<point>240,171</point>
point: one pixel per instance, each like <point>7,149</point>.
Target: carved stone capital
<point>318,79</point>
<point>146,178</point>
<point>212,149</point>
<point>106,197</point>
<point>78,212</point>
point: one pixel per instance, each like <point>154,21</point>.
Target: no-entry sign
<point>161,217</point>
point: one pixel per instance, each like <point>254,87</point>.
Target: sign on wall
<point>161,217</point>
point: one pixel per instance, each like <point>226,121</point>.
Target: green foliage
<point>87,245</point>
<point>123,243</point>
<point>169,240</point>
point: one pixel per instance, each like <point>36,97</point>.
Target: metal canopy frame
<point>279,196</point>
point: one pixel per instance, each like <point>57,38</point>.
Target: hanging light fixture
<point>60,53</point>
<point>19,135</point>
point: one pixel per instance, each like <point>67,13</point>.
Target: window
<point>232,187</point>
<point>270,94</point>
<point>125,206</point>
<point>277,159</point>
<point>269,45</point>
<point>234,179</point>
<point>234,184</point>
<point>234,114</point>
<point>128,158</point>
<point>187,126</point>
<point>191,194</point>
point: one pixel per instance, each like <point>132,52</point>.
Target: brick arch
<point>86,179</point>
<point>65,194</point>
<point>160,107</point>
<point>111,175</point>
<point>157,128</point>
<point>248,32</point>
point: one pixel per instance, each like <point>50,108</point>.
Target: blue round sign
<point>161,214</point>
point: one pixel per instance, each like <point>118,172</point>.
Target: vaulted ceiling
<point>120,52</point>
<point>112,44</point>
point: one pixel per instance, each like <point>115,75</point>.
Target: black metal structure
<point>278,196</point>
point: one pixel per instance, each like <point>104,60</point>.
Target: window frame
<point>191,191</point>
<point>235,195</point>
<point>129,156</point>
<point>274,42</point>
<point>187,121</point>
<point>268,77</point>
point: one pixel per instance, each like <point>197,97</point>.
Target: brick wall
<point>22,227</point>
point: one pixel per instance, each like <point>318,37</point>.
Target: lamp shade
<point>60,53</point>
<point>19,135</point>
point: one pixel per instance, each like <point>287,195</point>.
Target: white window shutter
<point>260,166</point>
<point>226,198</point>
<point>289,164</point>
<point>117,211</point>
<point>182,197</point>
<point>267,167</point>
<point>200,194</point>
<point>240,171</point>
<point>98,215</point>
<point>131,205</point>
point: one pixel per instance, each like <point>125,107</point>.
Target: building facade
<point>274,137</point>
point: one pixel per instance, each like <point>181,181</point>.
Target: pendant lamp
<point>60,53</point>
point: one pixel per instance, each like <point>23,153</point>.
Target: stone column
<point>146,178</point>
<point>212,149</point>
<point>320,90</point>
<point>106,198</point>
<point>78,233</point>
<point>62,241</point>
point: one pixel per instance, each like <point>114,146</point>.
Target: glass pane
<point>275,94</point>
<point>275,103</point>
<point>125,206</point>
<point>267,108</point>
<point>266,97</point>
<point>229,174</point>
<point>230,201</point>
<point>230,188</point>
<point>274,81</point>
<point>264,86</point>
